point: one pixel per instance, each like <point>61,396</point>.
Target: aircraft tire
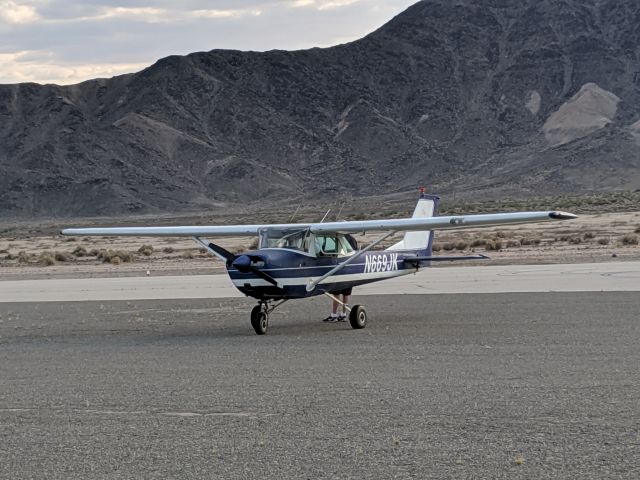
<point>259,320</point>
<point>358,317</point>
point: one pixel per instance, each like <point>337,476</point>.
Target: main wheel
<point>358,317</point>
<point>259,320</point>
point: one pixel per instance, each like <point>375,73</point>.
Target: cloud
<point>24,66</point>
<point>322,4</point>
<point>13,12</point>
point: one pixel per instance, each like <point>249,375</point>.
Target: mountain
<point>481,98</point>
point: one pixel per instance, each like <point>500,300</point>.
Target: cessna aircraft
<point>300,260</point>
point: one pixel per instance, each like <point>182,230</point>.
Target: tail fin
<point>420,242</point>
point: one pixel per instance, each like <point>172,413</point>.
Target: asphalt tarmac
<point>511,385</point>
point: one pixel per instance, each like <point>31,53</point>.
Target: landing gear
<point>260,315</point>
<point>358,317</point>
<point>259,320</point>
<point>357,313</point>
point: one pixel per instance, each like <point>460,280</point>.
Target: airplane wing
<point>360,226</point>
<point>441,223</point>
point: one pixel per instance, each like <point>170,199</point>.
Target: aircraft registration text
<point>381,263</point>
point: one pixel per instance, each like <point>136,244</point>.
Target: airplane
<point>301,260</point>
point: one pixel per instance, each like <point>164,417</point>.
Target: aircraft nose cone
<point>242,263</point>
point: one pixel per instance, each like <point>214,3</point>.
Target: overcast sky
<point>67,41</point>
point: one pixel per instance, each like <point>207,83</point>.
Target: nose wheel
<point>259,320</point>
<point>260,315</point>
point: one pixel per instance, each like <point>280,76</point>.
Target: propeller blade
<point>225,253</point>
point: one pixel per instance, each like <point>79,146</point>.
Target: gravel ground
<point>441,386</point>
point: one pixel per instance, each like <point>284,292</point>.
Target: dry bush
<point>575,240</point>
<point>23,257</point>
<point>588,235</point>
<point>4,251</point>
<point>637,230</point>
<point>146,250</point>
<point>46,259</point>
<point>188,254</point>
<point>448,246</point>
<point>10,256</point>
<point>115,260</point>
<point>629,239</point>
<point>107,255</point>
<point>501,234</point>
<point>94,252</point>
<point>79,251</point>
<point>478,242</point>
<point>436,247</point>
<point>603,241</point>
<point>61,257</point>
<point>461,245</point>
<point>513,243</point>
<point>71,239</point>
<point>493,245</point>
<point>254,244</point>
<point>168,250</point>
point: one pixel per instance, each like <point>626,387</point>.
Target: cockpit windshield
<point>294,239</point>
<point>323,245</point>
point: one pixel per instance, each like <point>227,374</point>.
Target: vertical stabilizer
<point>420,242</point>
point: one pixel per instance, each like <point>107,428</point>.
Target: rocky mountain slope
<point>472,97</point>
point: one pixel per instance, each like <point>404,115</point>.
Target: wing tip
<point>558,215</point>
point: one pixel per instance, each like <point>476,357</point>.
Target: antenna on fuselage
<point>294,214</point>
<point>340,211</point>
<point>325,216</point>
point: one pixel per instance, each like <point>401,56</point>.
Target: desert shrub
<point>575,240</point>
<point>10,256</point>
<point>448,246</point>
<point>436,247</point>
<point>536,241</point>
<point>501,234</point>
<point>46,259</point>
<point>188,254</point>
<point>202,251</point>
<point>629,239</point>
<point>603,241</point>
<point>513,243</point>
<point>168,250</point>
<point>4,251</point>
<point>23,257</point>
<point>637,230</point>
<point>94,252</point>
<point>254,244</point>
<point>493,245</point>
<point>107,255</point>
<point>588,235</point>
<point>79,251</point>
<point>461,245</point>
<point>115,260</point>
<point>478,242</point>
<point>61,257</point>
<point>71,239</point>
<point>146,250</point>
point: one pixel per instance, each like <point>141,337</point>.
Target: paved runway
<point>518,385</point>
<point>618,276</point>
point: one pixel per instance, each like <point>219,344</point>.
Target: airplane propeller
<point>242,263</point>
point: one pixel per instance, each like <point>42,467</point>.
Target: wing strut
<point>312,284</point>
